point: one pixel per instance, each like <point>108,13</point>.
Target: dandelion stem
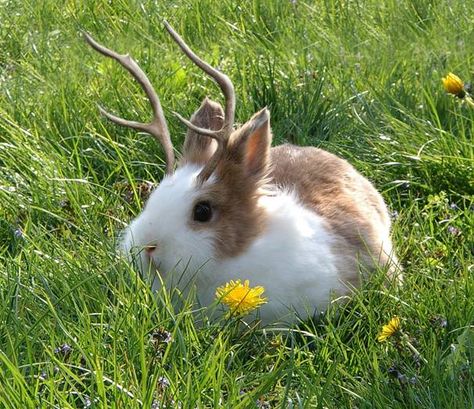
<point>469,100</point>
<point>412,348</point>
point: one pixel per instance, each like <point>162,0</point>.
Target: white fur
<point>163,223</point>
<point>292,259</point>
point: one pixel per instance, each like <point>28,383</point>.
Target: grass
<point>361,79</point>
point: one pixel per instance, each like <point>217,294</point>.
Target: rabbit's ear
<point>199,148</point>
<point>250,145</point>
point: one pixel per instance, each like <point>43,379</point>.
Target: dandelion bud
<point>454,85</point>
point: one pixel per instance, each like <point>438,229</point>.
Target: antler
<point>157,127</point>
<point>222,135</point>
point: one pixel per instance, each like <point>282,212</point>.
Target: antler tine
<point>157,127</point>
<point>221,79</point>
<point>217,135</point>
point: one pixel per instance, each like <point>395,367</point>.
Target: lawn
<point>362,79</point>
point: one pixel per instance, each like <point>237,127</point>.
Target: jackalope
<point>298,221</point>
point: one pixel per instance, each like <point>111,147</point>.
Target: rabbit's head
<point>189,221</point>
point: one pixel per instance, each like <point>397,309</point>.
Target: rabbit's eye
<point>202,212</point>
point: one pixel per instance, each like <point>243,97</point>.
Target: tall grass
<point>79,328</point>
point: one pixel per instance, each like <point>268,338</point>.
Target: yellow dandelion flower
<point>390,329</point>
<point>240,298</point>
<point>454,85</point>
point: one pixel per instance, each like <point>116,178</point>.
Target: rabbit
<point>298,221</point>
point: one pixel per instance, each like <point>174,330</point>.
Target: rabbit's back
<point>353,209</point>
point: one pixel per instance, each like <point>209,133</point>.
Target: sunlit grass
<point>79,328</point>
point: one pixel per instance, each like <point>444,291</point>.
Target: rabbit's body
<point>317,220</point>
<point>297,221</point>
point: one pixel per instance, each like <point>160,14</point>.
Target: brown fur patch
<point>237,220</point>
